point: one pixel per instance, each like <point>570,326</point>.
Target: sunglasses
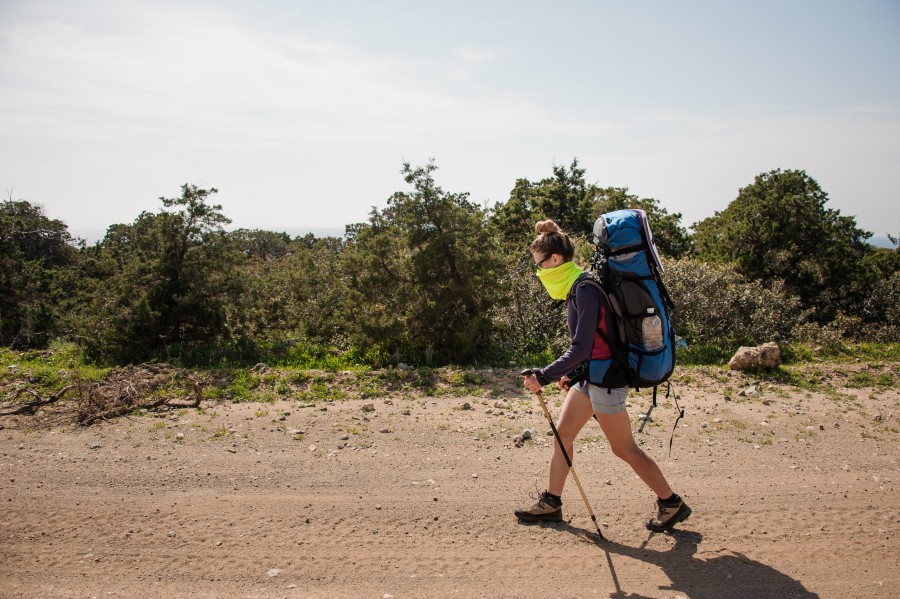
<point>541,263</point>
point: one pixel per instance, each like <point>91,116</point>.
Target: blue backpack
<point>628,268</point>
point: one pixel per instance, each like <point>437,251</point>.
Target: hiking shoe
<point>545,510</point>
<point>669,515</point>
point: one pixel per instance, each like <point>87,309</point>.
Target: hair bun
<point>547,226</point>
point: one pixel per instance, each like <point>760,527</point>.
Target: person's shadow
<point>730,574</point>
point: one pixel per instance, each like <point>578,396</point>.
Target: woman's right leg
<point>576,411</point>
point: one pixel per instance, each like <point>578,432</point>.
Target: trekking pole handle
<point>528,372</point>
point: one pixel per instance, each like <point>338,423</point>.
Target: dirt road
<point>794,494</point>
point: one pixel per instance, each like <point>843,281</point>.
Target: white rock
<point>766,355</point>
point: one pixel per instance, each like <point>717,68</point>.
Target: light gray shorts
<point>603,400</point>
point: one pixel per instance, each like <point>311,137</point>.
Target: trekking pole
<point>540,396</point>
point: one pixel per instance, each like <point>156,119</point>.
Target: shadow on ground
<point>730,574</point>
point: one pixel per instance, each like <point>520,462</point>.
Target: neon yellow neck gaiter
<point>558,280</point>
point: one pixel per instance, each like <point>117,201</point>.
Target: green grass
<point>47,371</point>
<point>879,380</point>
<point>243,382</point>
<point>708,354</point>
<point>813,368</point>
<point>320,391</point>
<point>703,354</point>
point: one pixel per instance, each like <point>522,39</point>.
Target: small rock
<point>474,475</point>
<point>312,448</point>
<point>467,406</point>
<point>406,412</point>
<point>171,534</point>
<point>369,407</point>
<point>388,402</point>
<point>179,436</point>
<point>704,425</point>
<point>878,418</point>
<point>345,437</point>
<point>260,367</point>
<point>273,572</point>
<point>527,433</point>
<point>95,446</point>
<point>231,450</point>
<point>821,427</point>
<point>384,430</point>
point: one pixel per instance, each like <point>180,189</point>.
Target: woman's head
<point>552,246</point>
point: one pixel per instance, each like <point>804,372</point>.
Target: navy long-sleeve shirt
<point>582,316</point>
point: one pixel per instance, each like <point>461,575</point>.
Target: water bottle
<point>651,330</point>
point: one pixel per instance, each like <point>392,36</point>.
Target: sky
<point>302,113</point>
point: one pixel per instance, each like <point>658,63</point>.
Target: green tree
<point>575,205</point>
<point>778,228</point>
<point>262,245</point>
<point>564,197</point>
<point>162,282</point>
<point>423,272</point>
<point>34,253</point>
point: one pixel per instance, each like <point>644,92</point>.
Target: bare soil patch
<point>794,493</point>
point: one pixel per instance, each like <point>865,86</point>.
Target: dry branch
<point>124,390</point>
<point>32,406</point>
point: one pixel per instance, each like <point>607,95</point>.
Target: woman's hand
<point>564,383</point>
<point>532,384</point>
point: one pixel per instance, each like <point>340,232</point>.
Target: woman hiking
<point>553,252</point>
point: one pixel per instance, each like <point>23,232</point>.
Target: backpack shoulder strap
<point>609,300</point>
<point>584,279</point>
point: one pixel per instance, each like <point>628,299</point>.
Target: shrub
<point>715,304</point>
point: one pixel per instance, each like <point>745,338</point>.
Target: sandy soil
<point>794,495</point>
